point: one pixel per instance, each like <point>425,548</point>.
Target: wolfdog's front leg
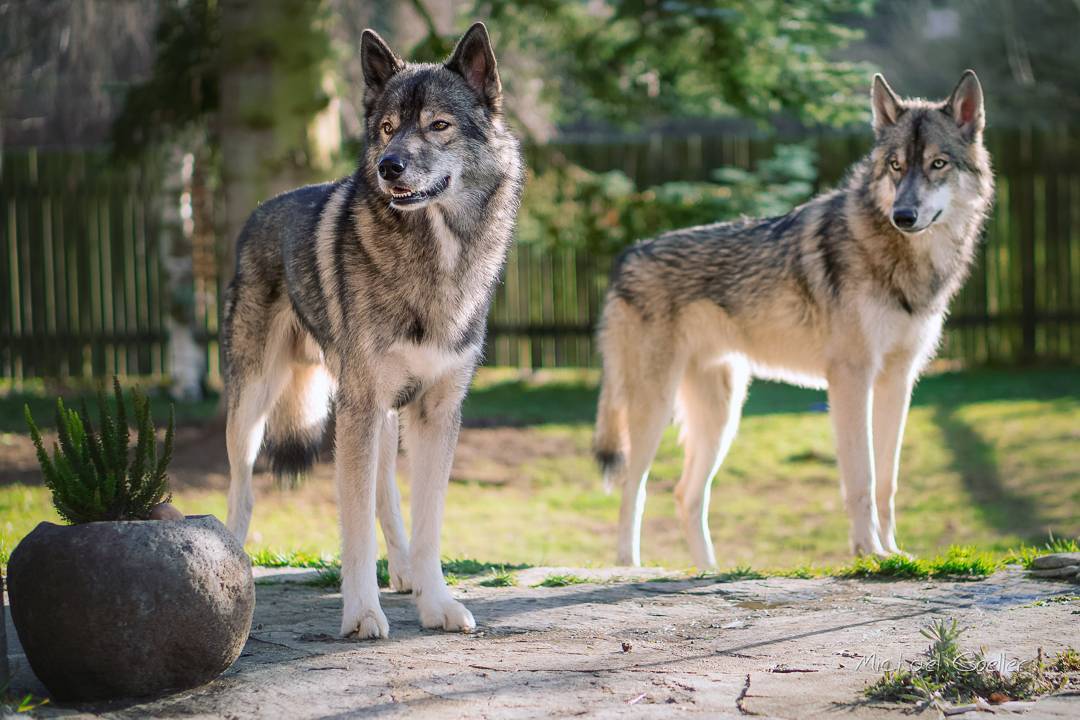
<point>849,407</point>
<point>892,396</point>
<point>431,430</point>
<point>356,449</point>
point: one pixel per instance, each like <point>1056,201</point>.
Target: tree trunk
<point>177,228</point>
<point>278,124</point>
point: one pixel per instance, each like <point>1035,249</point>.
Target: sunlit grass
<point>956,563</point>
<point>989,462</point>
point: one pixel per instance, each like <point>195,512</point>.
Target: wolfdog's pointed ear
<point>886,104</point>
<point>474,61</point>
<point>965,105</point>
<point>377,60</point>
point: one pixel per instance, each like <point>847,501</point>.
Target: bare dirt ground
<point>780,648</point>
<point>490,455</point>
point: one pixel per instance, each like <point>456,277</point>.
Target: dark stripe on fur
<point>832,219</point>
<point>904,302</point>
<point>406,394</point>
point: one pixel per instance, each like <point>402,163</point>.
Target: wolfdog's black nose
<point>903,217</point>
<point>391,167</point>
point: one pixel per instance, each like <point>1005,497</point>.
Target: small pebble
<point>165,511</point>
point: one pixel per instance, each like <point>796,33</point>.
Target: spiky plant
<point>94,474</point>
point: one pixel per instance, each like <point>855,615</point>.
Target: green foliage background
<point>567,205</point>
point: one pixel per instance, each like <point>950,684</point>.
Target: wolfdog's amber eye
<point>894,164</point>
<point>388,128</point>
<point>439,125</point>
<point>938,164</point>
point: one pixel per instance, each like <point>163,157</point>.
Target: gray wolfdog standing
<point>372,292</point>
<point>848,292</point>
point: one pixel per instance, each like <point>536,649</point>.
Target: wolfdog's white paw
<point>868,546</point>
<point>366,623</point>
<point>445,612</point>
<point>400,576</point>
<point>891,548</point>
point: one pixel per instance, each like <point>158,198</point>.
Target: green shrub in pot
<point>86,597</point>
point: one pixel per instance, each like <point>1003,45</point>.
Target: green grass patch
<point>330,578</point>
<point>501,577</point>
<point>1055,600</point>
<point>329,568</point>
<point>293,558</point>
<point>956,563</point>
<point>989,461</point>
<point>468,567</point>
<point>27,703</point>
<point>947,672</point>
<point>561,580</point>
<point>741,572</point>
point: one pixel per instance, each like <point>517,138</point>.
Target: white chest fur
<point>449,244</point>
<point>425,362</point>
<point>888,329</point>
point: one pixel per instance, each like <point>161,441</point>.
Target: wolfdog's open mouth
<point>401,196</point>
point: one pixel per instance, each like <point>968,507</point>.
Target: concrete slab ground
<point>624,646</point>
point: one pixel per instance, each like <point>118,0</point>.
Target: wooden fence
<point>81,285</point>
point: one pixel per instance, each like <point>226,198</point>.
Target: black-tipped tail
<point>610,461</point>
<point>293,457</point>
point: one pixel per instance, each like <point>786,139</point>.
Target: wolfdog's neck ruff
<point>420,244</point>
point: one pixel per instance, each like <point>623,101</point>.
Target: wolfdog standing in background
<point>848,292</point>
<point>373,291</point>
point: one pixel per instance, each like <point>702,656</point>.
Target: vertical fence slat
<point>80,259</point>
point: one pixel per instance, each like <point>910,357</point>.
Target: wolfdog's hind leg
<point>651,398</point>
<point>710,402</point>
<point>388,506</point>
<point>254,384</point>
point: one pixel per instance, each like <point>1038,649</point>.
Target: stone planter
<point>127,609</point>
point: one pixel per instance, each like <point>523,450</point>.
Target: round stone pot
<point>126,609</point>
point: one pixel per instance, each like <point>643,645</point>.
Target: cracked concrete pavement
<point>623,646</point>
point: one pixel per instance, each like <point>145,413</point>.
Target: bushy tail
<point>294,430</point>
<point>611,442</point>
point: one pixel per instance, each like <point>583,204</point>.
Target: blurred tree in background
<point>1025,52</point>
<point>613,66</point>
<point>240,98</point>
<point>567,205</point>
<point>250,82</point>
<point>629,62</point>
